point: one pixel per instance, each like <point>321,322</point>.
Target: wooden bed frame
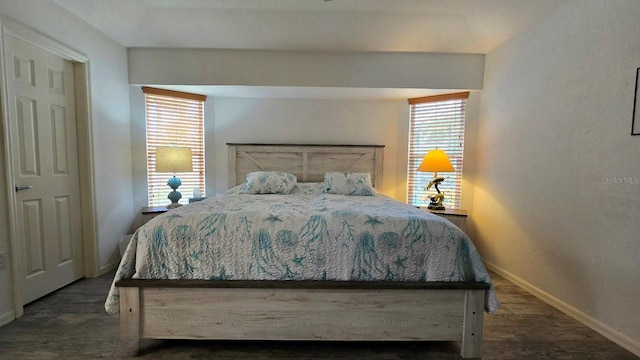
<point>303,310</point>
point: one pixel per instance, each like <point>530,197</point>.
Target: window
<point>436,122</point>
<point>174,118</point>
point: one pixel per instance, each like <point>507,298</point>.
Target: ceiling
<point>454,26</point>
<point>449,26</point>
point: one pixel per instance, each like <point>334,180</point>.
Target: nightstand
<point>150,212</point>
<point>457,216</point>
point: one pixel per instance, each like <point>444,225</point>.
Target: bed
<point>308,261</point>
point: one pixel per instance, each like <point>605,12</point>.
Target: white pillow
<point>268,182</point>
<point>351,184</point>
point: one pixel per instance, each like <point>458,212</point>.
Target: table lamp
<point>173,159</point>
<point>437,161</point>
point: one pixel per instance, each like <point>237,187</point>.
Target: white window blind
<point>436,122</point>
<point>174,118</point>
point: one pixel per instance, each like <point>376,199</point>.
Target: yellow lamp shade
<point>437,161</point>
<point>173,159</point>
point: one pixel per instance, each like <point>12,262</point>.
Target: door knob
<point>20,188</point>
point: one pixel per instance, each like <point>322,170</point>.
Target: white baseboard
<point>109,267</point>
<point>7,318</point>
<point>596,325</point>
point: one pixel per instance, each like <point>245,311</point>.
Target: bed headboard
<point>307,162</point>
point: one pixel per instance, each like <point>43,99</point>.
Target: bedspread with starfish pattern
<point>308,235</point>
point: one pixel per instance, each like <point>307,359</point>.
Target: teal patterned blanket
<point>308,235</point>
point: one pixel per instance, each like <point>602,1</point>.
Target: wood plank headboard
<point>307,162</point>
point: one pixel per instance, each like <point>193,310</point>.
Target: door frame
<point>85,152</point>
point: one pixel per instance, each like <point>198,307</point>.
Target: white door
<point>44,159</point>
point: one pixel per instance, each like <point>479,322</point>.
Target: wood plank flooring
<point>72,324</point>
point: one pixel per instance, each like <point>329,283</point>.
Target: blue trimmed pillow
<point>269,182</point>
<point>351,184</point>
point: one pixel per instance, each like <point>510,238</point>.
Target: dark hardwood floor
<point>72,324</point>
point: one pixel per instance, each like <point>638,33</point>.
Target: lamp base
<point>436,201</point>
<point>174,196</point>
<point>435,206</point>
<point>173,206</point>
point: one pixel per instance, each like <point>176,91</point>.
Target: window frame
<point>436,122</point>
<point>174,118</point>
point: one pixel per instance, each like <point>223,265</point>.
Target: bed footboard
<point>302,310</point>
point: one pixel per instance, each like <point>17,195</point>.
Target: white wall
<point>177,66</point>
<point>138,150</point>
<point>363,122</point>
<point>554,126</point>
<point>111,131</point>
